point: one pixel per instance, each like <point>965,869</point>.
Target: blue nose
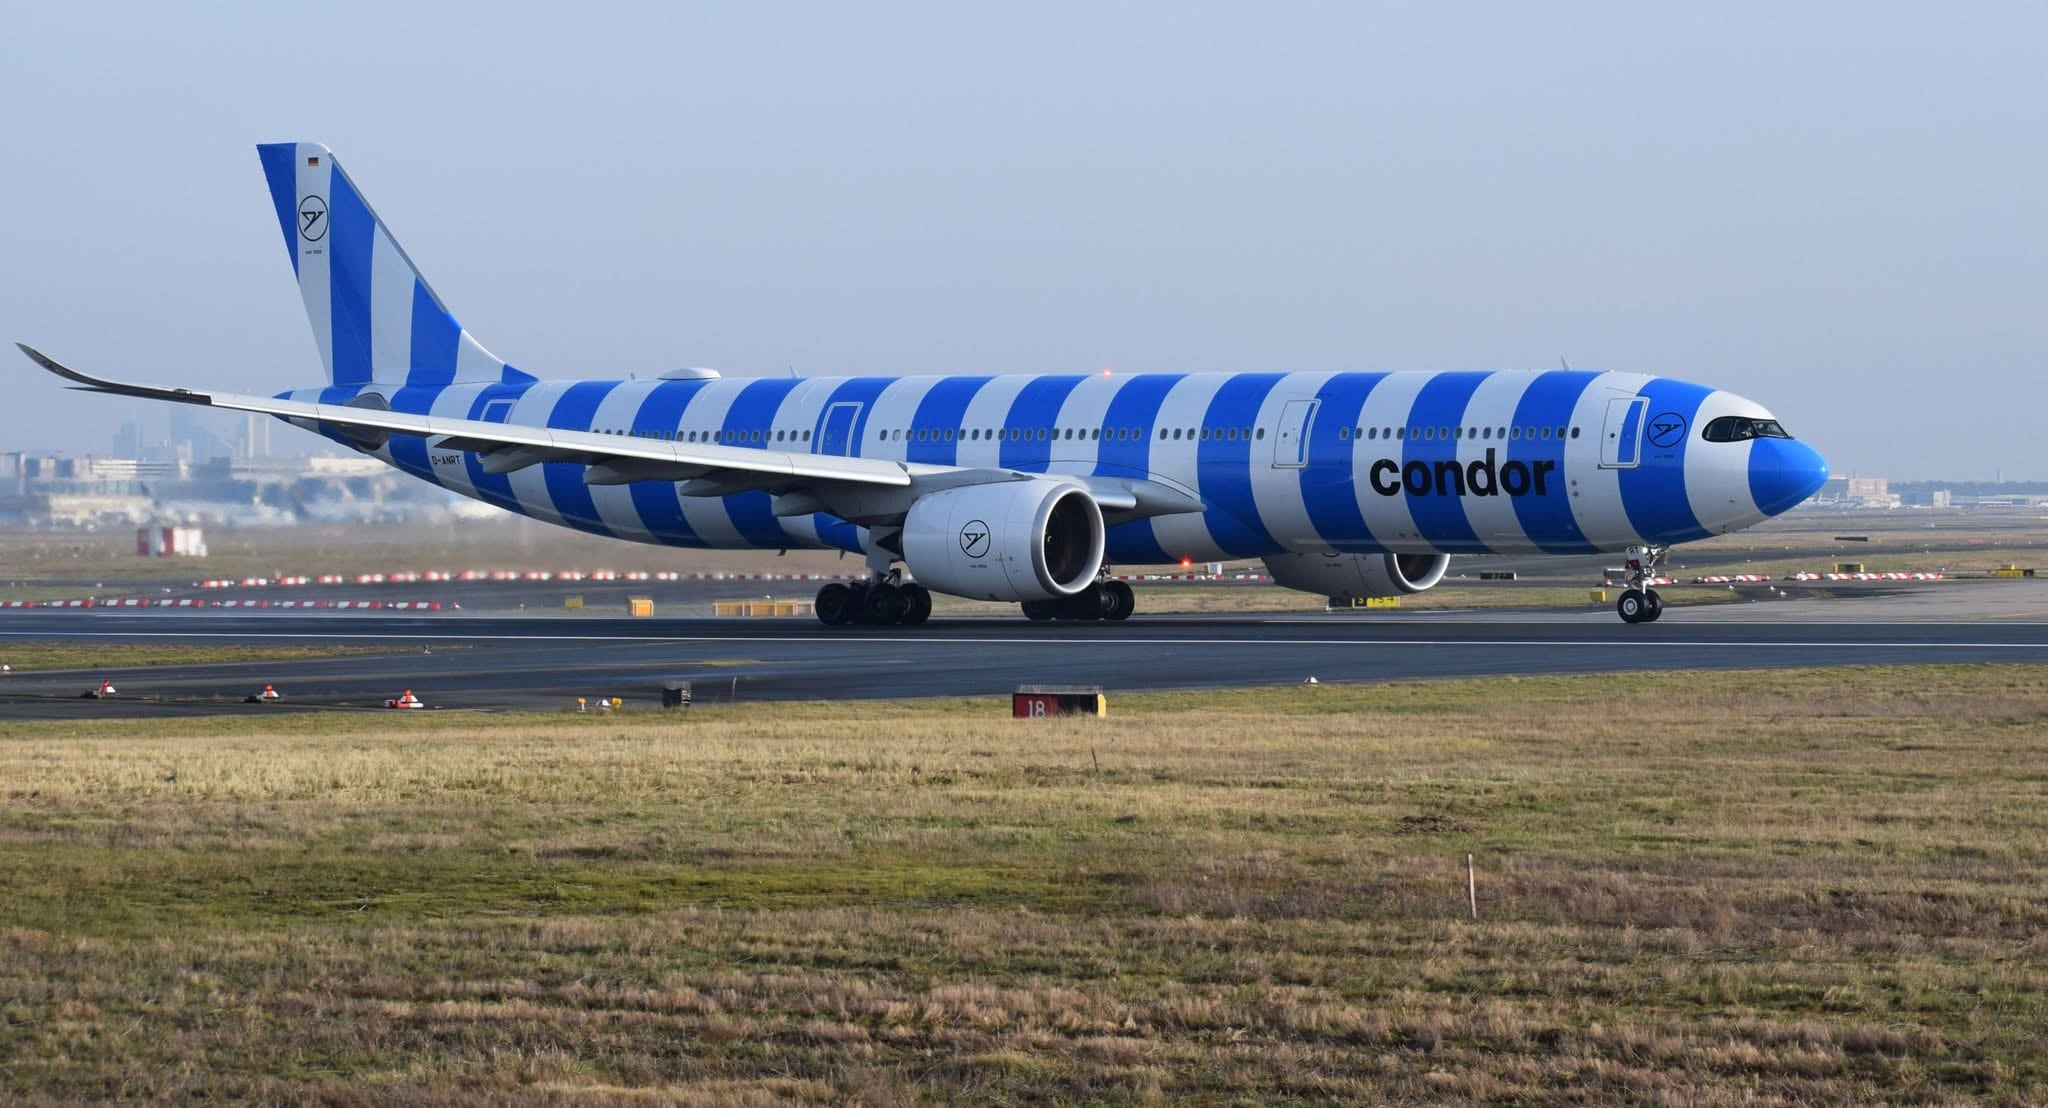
<point>1783,472</point>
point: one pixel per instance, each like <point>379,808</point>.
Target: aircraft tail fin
<point>374,317</point>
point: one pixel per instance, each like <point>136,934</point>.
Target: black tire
<point>834,606</point>
<point>1630,607</point>
<point>884,605</point>
<point>920,601</point>
<point>1121,601</point>
<point>1086,605</point>
<point>1038,611</point>
<point>1653,606</point>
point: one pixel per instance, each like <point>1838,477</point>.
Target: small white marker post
<point>1472,886</point>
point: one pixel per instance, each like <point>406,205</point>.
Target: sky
<point>1834,209</point>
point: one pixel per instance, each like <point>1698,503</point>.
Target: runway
<point>546,662</point>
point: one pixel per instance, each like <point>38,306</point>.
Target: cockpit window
<point>1739,428</point>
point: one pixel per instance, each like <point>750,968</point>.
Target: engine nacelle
<point>1011,540</point>
<point>1349,576</point>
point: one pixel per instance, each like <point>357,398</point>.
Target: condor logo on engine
<point>974,539</point>
<point>1447,478</point>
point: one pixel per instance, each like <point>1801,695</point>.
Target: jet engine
<point>1009,540</point>
<point>1348,576</point>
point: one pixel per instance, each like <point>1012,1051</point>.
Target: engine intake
<point>1011,540</point>
<point>1349,576</point>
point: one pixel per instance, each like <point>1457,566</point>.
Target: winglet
<point>121,388</point>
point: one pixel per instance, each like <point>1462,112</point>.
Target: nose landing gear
<point>1639,603</point>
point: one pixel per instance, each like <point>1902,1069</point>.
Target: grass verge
<point>1752,887</point>
<point>35,654</point>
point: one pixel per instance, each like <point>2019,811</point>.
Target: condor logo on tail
<point>1448,478</point>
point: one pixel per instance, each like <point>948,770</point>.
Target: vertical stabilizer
<point>374,317</point>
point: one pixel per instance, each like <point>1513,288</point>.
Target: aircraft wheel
<point>1038,611</point>
<point>885,605</point>
<point>1119,600</point>
<point>1631,606</point>
<point>834,606</point>
<point>919,599</point>
<point>1653,606</point>
<point>1086,605</point>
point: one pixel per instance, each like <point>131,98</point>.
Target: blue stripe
<point>1232,513</point>
<point>1328,491</point>
<point>1037,406</point>
<point>1440,516</point>
<point>942,409</point>
<point>409,452</point>
<point>337,394</point>
<point>493,489</point>
<point>1653,493</point>
<point>281,171</point>
<point>351,231</point>
<point>1549,401</point>
<point>656,502</point>
<point>753,513</point>
<point>435,337</point>
<point>571,497</point>
<point>1136,404</point>
<point>833,531</point>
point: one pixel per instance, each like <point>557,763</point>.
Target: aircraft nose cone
<point>1783,472</point>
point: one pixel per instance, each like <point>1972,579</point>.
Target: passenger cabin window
<point>1742,428</point>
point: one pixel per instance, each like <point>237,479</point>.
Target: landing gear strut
<point>1105,599</point>
<point>1639,603</point>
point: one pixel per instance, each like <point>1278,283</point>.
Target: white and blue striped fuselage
<point>1560,462</point>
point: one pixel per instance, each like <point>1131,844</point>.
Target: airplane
<point>1016,488</point>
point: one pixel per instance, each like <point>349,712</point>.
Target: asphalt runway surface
<point>504,662</point>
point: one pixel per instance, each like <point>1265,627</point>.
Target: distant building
<point>1940,498</point>
<point>1861,492</point>
<point>128,440</point>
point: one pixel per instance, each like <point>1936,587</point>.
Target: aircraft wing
<point>865,490</point>
<point>508,446</point>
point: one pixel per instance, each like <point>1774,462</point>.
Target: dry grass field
<point>1789,887</point>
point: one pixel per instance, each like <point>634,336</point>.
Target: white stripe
<point>1717,473</point>
<point>313,257</point>
<point>453,402</point>
<point>1388,409</point>
<point>1596,492</point>
<point>1185,406</point>
<point>474,363</point>
<point>1491,411</point>
<point>1276,490</point>
<point>391,285</point>
<point>985,413</point>
<point>1086,410</point>
<point>707,516</point>
<point>529,485</point>
<point>615,502</point>
<point>895,410</point>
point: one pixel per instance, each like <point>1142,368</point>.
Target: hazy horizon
<point>1833,210</point>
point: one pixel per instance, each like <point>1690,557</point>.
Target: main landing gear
<point>1639,603</point>
<point>887,598</point>
<point>1111,600</point>
<point>875,604</point>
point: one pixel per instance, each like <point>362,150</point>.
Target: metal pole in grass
<point>1472,886</point>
